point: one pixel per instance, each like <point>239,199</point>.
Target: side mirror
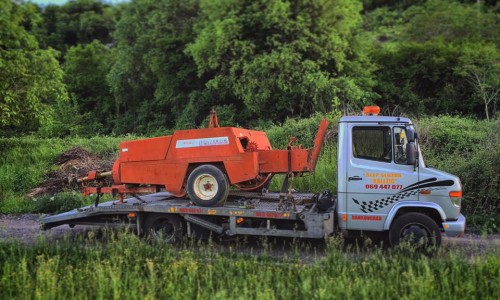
<point>411,153</point>
<point>411,135</point>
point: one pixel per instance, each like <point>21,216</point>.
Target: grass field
<point>122,266</point>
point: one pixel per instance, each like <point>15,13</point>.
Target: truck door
<point>377,174</point>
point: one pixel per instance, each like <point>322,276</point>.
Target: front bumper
<point>455,228</point>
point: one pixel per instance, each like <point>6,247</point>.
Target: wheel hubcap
<point>414,233</point>
<point>208,186</point>
<point>205,187</point>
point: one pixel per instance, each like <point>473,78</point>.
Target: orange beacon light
<point>371,110</point>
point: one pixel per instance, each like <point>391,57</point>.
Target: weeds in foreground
<point>119,265</point>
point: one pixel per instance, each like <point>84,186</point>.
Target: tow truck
<point>383,183</point>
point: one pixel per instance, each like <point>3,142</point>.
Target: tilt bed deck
<point>244,213</point>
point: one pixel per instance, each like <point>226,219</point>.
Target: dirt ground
<point>25,228</point>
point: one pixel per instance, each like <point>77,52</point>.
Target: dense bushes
<point>469,149</point>
<point>304,131</point>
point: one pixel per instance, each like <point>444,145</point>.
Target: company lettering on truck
<point>384,186</point>
<point>385,181</point>
<point>366,218</point>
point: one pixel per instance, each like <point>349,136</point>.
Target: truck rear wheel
<point>207,185</point>
<point>416,229</point>
<point>164,227</point>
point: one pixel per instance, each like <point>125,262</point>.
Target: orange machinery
<point>203,163</point>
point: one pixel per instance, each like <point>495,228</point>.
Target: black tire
<point>164,227</point>
<point>208,186</point>
<point>416,229</point>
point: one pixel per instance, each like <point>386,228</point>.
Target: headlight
<point>456,198</point>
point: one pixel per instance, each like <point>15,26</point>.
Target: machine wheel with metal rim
<point>208,186</point>
<point>164,227</point>
<point>417,229</point>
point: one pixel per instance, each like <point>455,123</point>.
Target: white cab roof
<point>374,119</point>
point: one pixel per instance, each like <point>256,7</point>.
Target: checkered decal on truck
<point>411,190</point>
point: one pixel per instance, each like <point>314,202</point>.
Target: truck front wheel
<point>207,185</point>
<point>164,227</point>
<point>416,229</point>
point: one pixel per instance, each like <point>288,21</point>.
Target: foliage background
<point>146,67</point>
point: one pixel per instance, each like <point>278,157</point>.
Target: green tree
<point>151,77</point>
<point>30,78</point>
<point>369,5</point>
<point>85,70</point>
<point>283,58</point>
<point>480,65</point>
<point>452,21</point>
<point>420,78</point>
<point>429,56</point>
<point>76,22</point>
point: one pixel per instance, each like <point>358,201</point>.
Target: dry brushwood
<point>73,163</point>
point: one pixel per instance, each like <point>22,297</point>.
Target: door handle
<point>355,178</point>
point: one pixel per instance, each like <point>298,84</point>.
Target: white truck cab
<point>384,185</point>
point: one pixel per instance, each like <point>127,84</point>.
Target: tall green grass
<point>122,266</point>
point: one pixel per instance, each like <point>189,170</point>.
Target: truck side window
<point>372,143</point>
<point>400,142</point>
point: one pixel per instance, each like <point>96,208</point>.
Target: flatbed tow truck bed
<point>302,219</point>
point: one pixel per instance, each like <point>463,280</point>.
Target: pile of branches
<point>71,164</point>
